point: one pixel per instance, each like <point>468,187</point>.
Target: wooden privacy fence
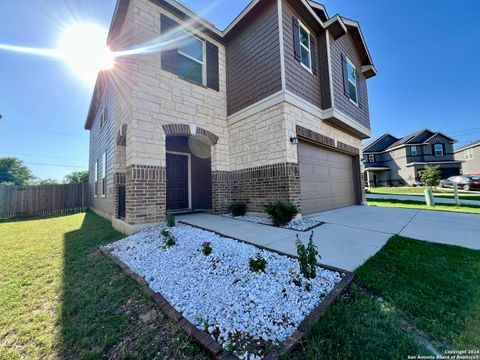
<point>43,200</point>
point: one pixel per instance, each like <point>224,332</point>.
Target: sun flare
<point>83,48</point>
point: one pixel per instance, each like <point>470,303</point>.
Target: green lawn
<point>410,296</point>
<point>61,299</point>
<point>407,204</point>
<point>418,191</point>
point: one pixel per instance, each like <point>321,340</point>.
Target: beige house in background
<point>193,118</point>
<point>470,157</point>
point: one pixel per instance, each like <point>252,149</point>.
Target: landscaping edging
<point>242,218</point>
<point>210,344</point>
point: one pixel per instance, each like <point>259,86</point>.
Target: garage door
<point>326,179</point>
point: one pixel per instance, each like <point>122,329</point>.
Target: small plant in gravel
<point>307,257</point>
<point>171,220</point>
<point>238,209</point>
<point>257,263</point>
<point>207,248</point>
<point>169,239</point>
<point>281,213</point>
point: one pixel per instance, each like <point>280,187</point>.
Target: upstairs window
<point>352,81</point>
<point>371,158</point>
<point>413,151</point>
<point>468,154</point>
<point>191,51</point>
<point>438,149</point>
<point>305,50</point>
<point>96,179</point>
<point>103,110</point>
<point>104,172</point>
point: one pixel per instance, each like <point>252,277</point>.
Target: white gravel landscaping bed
<point>244,311</point>
<point>298,225</point>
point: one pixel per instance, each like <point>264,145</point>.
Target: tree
<point>48,181</point>
<point>77,177</point>
<point>430,176</point>
<point>14,172</point>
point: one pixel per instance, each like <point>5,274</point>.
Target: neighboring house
<point>390,161</point>
<point>470,157</point>
<point>273,108</point>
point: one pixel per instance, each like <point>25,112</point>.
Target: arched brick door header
<point>188,130</point>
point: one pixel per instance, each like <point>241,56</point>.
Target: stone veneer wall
<point>146,194</point>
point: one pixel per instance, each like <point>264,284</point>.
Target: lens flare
<point>83,48</point>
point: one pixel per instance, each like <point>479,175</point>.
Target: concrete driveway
<point>351,235</point>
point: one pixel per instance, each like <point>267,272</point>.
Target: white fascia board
<point>186,10</point>
<point>355,24</point>
<point>240,16</point>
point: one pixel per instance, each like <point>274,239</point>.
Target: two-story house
<point>390,161</point>
<point>193,118</point>
<point>470,157</point>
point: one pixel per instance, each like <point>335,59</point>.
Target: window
<point>103,110</point>
<point>438,149</point>
<point>371,158</point>
<point>191,51</point>
<point>413,150</point>
<point>468,154</point>
<point>305,50</point>
<point>352,81</point>
<point>96,179</point>
<point>104,172</point>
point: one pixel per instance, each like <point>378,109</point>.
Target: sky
<point>425,51</point>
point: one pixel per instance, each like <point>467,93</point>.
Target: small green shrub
<point>307,257</point>
<point>238,209</point>
<point>169,239</point>
<point>207,248</point>
<point>171,220</point>
<point>281,213</point>
<point>258,263</point>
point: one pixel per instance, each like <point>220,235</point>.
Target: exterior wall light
<point>294,140</point>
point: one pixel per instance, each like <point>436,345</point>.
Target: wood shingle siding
<point>300,81</point>
<point>253,60</point>
<point>339,49</point>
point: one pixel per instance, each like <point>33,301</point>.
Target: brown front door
<point>177,182</point>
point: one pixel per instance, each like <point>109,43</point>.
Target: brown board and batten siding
<point>339,49</point>
<point>253,58</point>
<point>298,80</point>
<point>103,139</point>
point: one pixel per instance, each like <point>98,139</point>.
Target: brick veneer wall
<point>221,191</point>
<point>118,179</point>
<point>257,186</point>
<point>146,194</point>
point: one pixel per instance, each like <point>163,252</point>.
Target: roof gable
<point>380,144</point>
<point>469,146</point>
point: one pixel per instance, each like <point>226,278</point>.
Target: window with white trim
<point>104,173</point>
<point>96,179</point>
<point>371,158</point>
<point>438,149</point>
<point>352,82</point>
<point>305,50</point>
<point>413,151</point>
<point>468,154</point>
<point>103,110</point>
<point>191,59</point>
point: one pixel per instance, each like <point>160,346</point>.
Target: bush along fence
<point>43,200</point>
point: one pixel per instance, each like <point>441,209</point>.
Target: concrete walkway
<point>351,235</point>
<point>438,200</point>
